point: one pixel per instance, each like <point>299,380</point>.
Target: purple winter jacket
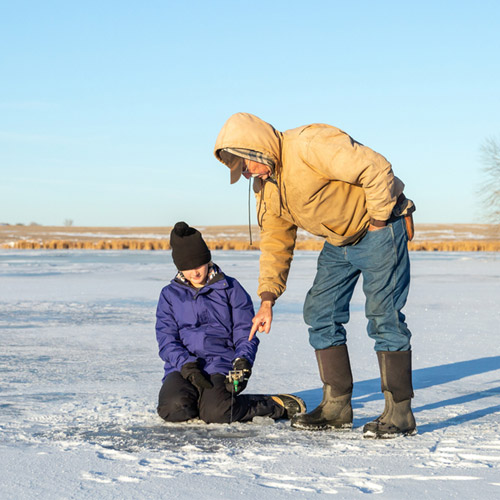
<point>209,325</point>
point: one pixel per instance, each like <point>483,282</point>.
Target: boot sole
<point>322,427</point>
<point>389,435</point>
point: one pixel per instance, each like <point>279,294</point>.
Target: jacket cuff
<point>378,223</point>
<point>268,296</point>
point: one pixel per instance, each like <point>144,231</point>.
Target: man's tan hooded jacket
<point>323,182</point>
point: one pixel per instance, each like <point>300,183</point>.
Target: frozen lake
<point>80,375</point>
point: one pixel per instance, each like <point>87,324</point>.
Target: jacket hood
<point>247,131</point>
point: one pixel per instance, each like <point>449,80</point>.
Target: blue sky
<point>109,110</point>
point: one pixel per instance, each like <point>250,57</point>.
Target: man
<point>318,178</point>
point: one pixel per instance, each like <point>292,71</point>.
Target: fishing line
<point>249,217</point>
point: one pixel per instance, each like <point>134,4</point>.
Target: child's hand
<point>192,373</point>
<point>243,366</point>
<point>263,319</point>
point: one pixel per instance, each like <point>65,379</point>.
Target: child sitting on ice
<point>203,322</point>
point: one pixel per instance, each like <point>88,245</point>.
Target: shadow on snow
<point>369,390</point>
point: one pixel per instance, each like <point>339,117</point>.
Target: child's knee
<point>215,416</point>
<point>177,408</point>
<point>216,412</point>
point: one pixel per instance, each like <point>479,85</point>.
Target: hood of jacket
<point>247,131</point>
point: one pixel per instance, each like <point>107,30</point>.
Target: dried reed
<point>222,244</point>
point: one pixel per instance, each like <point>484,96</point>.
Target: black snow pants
<point>179,401</point>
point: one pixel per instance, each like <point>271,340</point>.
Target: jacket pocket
<point>216,345</point>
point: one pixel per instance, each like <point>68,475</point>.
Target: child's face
<point>197,276</point>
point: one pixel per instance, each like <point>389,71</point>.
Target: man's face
<point>197,276</point>
<point>254,169</point>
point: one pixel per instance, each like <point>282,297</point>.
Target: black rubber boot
<point>335,410</point>
<point>397,418</point>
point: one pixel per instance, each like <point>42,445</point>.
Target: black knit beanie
<point>189,251</point>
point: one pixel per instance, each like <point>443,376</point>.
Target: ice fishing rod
<point>234,377</point>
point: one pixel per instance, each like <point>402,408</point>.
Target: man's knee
<point>309,310</point>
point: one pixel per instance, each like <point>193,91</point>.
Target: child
<point>203,321</point>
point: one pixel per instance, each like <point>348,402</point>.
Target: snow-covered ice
<point>80,375</point>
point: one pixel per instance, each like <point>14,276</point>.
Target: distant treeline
<point>315,245</point>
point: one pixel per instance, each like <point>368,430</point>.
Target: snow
<point>80,376</point>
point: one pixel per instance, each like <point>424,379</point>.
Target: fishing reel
<point>235,377</point>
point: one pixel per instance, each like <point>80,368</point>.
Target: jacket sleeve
<point>171,348</point>
<point>339,157</point>
<point>277,243</point>
<point>242,314</point>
